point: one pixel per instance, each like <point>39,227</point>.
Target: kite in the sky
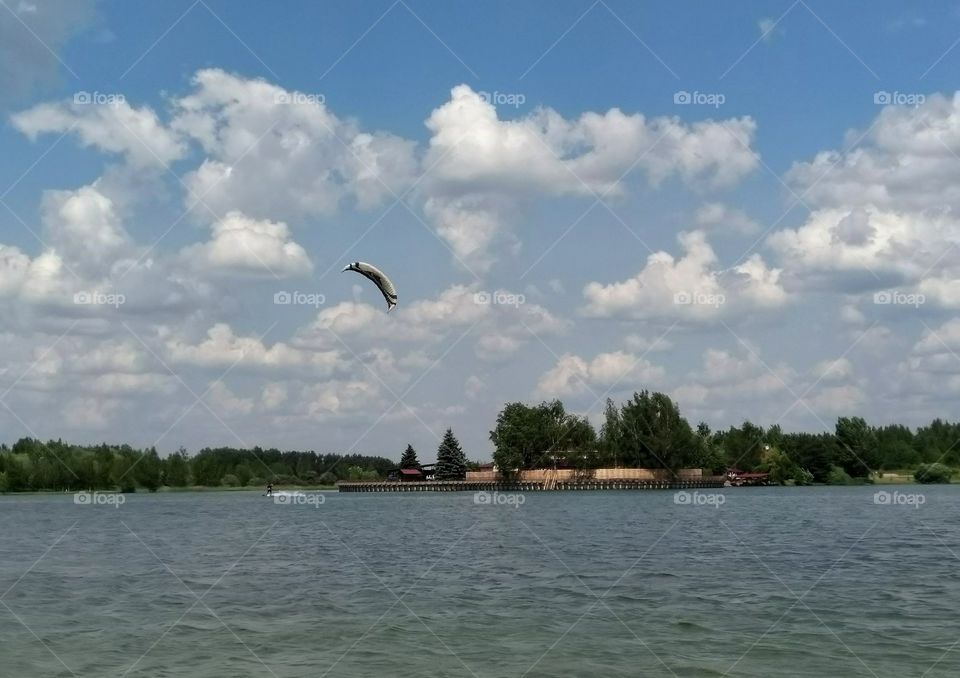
<point>379,279</point>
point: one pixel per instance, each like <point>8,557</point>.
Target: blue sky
<point>804,204</point>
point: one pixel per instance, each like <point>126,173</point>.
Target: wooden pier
<point>550,485</point>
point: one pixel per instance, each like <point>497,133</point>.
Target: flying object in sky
<point>379,279</point>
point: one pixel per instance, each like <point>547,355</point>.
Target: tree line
<point>55,465</point>
<point>648,431</point>
<point>33,465</point>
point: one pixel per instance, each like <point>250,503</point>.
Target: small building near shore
<point>405,475</point>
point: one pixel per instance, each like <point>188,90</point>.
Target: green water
<point>773,582</point>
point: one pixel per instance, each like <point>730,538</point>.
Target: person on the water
<point>269,489</point>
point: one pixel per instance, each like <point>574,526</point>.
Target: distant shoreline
<point>885,479</point>
<point>193,488</point>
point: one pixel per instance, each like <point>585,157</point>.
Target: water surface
<point>775,582</point>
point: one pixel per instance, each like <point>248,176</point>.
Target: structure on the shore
<point>738,478</point>
<point>536,480</point>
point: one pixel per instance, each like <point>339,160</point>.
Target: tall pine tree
<point>409,458</point>
<point>451,461</point>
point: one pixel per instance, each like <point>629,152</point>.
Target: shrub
<point>230,480</point>
<point>837,476</point>
<point>933,473</point>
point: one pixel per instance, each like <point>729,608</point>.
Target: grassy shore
<point>902,477</point>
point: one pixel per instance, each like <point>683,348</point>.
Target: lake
<point>758,582</point>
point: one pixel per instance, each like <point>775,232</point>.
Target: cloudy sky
<point>749,206</point>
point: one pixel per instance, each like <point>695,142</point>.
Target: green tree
<point>654,434</point>
<point>515,438</point>
<point>121,472</point>
<point>18,478</point>
<point>857,446</point>
<point>206,470</point>
<point>611,436</point>
<point>305,468</point>
<point>937,442</point>
<point>743,446</point>
<point>409,458</point>
<point>147,470</point>
<point>578,442</point>
<point>532,437</point>
<point>176,469</point>
<point>451,461</point>
<point>815,453</point>
<point>782,469</point>
<point>710,455</point>
<point>48,464</point>
<point>244,473</point>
